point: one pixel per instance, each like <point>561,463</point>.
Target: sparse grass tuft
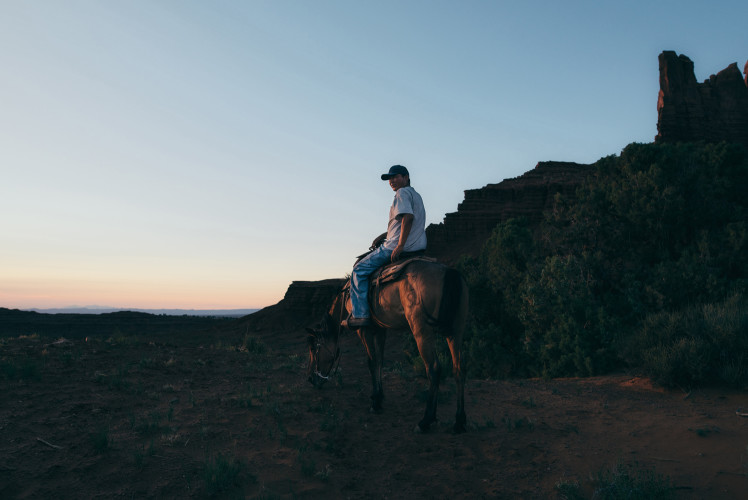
<point>148,363</point>
<point>100,440</point>
<point>24,369</point>
<point>151,425</point>
<point>292,362</point>
<point>330,419</point>
<point>705,431</point>
<point>124,340</point>
<point>308,465</point>
<point>221,474</point>
<point>253,345</point>
<point>516,424</point>
<point>9,369</point>
<point>569,490</point>
<point>529,403</point>
<point>67,359</point>
<point>117,380</point>
<point>489,424</point>
<point>632,482</point>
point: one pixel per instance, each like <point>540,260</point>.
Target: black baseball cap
<point>394,170</point>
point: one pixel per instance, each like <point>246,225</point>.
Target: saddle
<point>386,274</point>
<point>392,271</point>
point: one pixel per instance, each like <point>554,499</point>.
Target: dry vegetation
<point>233,417</point>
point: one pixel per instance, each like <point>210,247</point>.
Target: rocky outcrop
<point>464,232</point>
<point>716,110</point>
<point>304,303</point>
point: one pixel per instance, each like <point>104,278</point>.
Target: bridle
<point>335,362</point>
<point>320,344</point>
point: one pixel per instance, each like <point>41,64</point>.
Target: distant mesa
<point>224,313</point>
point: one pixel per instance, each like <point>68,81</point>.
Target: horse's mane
<point>338,304</point>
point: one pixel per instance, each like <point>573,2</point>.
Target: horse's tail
<point>453,306</point>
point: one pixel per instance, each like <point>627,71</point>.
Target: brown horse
<point>427,298</point>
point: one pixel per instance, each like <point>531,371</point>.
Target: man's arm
<point>406,222</point>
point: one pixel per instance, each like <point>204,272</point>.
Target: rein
<point>336,362</point>
<point>321,344</point>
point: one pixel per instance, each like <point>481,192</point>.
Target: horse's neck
<point>338,310</point>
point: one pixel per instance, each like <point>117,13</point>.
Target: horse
<point>426,298</point>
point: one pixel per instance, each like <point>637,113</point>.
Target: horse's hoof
<point>459,429</point>
<point>375,411</point>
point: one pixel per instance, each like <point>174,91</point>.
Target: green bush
<point>494,339</point>
<point>694,345</point>
<point>566,328</point>
<point>619,271</point>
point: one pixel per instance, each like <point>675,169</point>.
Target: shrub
<point>487,354</point>
<point>694,345</point>
<point>621,270</point>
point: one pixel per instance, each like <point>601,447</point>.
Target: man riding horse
<point>418,294</point>
<point>406,232</point>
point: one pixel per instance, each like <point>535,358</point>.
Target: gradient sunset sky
<point>185,154</point>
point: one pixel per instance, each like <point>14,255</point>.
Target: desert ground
<point>231,415</point>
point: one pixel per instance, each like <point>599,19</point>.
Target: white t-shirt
<point>407,201</point>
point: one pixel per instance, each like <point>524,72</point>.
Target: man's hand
<point>396,252</point>
<point>405,224</point>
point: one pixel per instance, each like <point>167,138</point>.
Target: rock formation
<point>461,233</point>
<point>716,110</point>
<point>464,232</point>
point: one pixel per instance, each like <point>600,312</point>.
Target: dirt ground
<point>231,417</point>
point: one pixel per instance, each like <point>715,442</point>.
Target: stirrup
<point>353,323</point>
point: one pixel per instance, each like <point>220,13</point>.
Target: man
<point>406,232</point>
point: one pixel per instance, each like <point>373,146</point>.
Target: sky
<point>205,154</point>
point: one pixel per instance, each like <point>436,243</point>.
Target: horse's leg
<point>459,374</point>
<point>426,341</point>
<point>373,339</point>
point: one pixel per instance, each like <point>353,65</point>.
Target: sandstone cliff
<point>716,110</point>
<point>464,232</point>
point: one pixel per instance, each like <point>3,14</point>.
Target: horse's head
<point>323,351</point>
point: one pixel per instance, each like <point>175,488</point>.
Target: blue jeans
<point>360,279</point>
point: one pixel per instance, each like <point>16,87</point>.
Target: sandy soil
<point>202,417</point>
